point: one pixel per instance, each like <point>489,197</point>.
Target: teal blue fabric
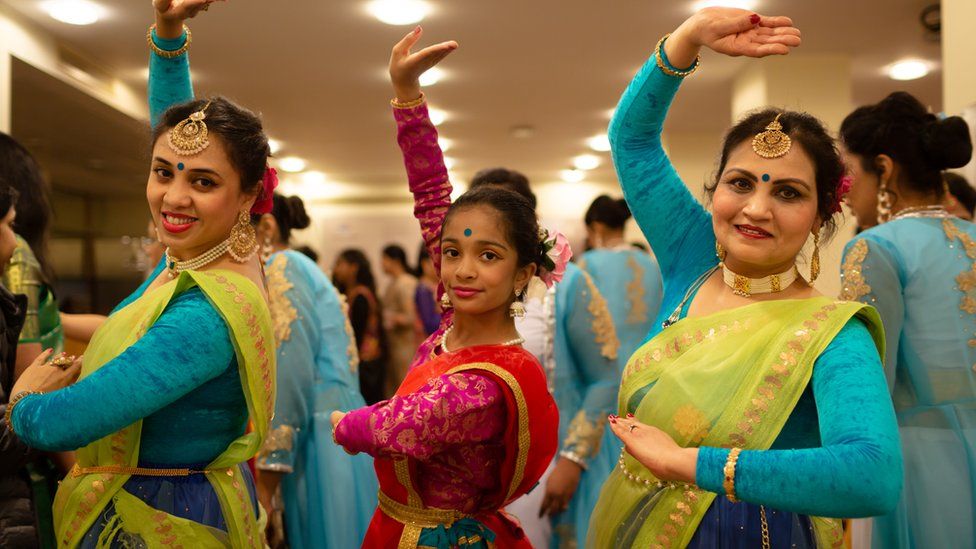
<point>838,454</point>
<point>584,385</point>
<point>449,538</point>
<point>914,273</point>
<point>180,378</point>
<point>630,281</point>
<point>169,79</point>
<point>329,495</point>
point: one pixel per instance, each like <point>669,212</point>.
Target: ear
<point>268,227</point>
<point>524,274</point>
<point>885,168</point>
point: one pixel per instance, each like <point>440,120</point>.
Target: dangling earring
<point>517,309</point>
<point>266,249</point>
<point>243,240</point>
<point>720,251</point>
<point>815,258</point>
<point>884,202</point>
<point>445,301</point>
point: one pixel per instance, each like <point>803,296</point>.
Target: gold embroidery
<point>643,356</point>
<point>966,280</point>
<point>635,289</point>
<point>351,350</point>
<point>854,286</point>
<point>283,313</point>
<point>691,422</point>
<point>584,436</point>
<point>603,328</point>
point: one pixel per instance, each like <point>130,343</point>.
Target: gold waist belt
<point>424,517</point>
<point>141,471</point>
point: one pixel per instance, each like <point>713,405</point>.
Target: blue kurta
<point>921,276</point>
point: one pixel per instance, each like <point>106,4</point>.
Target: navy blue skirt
<point>728,525</point>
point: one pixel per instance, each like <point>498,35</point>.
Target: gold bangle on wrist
<point>659,56</point>
<point>729,471</point>
<point>397,104</point>
<point>10,407</point>
<point>165,53</point>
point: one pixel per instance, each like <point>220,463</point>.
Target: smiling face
<point>764,209</point>
<point>194,200</point>
<point>479,264</point>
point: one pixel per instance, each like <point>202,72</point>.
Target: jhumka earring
<point>266,249</point>
<point>884,202</point>
<point>445,301</point>
<point>243,240</point>
<point>517,309</point>
<point>720,251</point>
<point>815,258</point>
<point>772,143</point>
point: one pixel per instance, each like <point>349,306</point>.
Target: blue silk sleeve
<point>188,345</point>
<point>169,79</point>
<point>856,472</point>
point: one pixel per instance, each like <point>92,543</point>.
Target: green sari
<point>105,465</point>
<point>730,379</point>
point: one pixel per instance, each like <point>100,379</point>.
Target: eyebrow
<point>752,177</point>
<point>162,160</point>
<point>481,242</point>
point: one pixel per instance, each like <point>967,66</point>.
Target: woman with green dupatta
<point>758,407</point>
<point>160,414</point>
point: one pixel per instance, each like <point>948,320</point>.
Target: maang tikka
<point>772,143</point>
<point>190,136</point>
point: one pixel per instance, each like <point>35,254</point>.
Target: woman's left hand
<point>44,376</point>
<point>170,15</point>
<point>655,449</point>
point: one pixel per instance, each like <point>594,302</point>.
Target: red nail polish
<point>630,416</point>
<point>754,19</point>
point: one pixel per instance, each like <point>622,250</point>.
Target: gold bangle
<point>729,471</point>
<point>659,55</point>
<point>165,54</point>
<point>10,407</point>
<point>397,104</point>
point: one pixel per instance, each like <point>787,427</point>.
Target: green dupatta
<point>730,379</point>
<point>82,497</point>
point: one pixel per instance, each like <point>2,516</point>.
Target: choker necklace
<point>747,287</point>
<point>176,266</point>
<point>517,341</point>
<point>934,210</point>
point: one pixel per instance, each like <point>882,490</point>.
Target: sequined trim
<point>283,313</point>
<point>584,436</point>
<point>642,359</point>
<point>280,439</point>
<point>854,285</point>
<point>966,280</point>
<point>636,291</point>
<point>603,328</point>
<point>352,352</point>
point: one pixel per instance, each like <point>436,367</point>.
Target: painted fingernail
<point>630,415</point>
<point>754,19</point>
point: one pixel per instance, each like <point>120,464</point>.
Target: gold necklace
<point>747,287</point>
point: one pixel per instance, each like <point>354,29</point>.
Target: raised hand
<point>170,15</point>
<point>406,67</point>
<point>733,32</point>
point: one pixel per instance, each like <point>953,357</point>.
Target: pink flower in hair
<point>265,202</point>
<point>558,254</point>
<point>843,187</point>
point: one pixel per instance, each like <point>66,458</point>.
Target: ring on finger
<point>62,361</point>
<point>632,427</point>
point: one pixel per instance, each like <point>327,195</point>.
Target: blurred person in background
<point>353,276</point>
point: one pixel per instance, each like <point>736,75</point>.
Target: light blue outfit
<point>838,454</point>
<point>329,495</point>
<point>920,273</point>
<point>630,281</point>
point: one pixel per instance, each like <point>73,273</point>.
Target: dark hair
<point>22,173</point>
<point>8,198</point>
<point>397,254</point>
<point>289,213</point>
<point>899,126</point>
<point>364,271</point>
<point>508,179</point>
<point>521,226</point>
<point>961,190</point>
<point>239,129</point>
<point>422,255</point>
<point>610,212</point>
<point>308,252</point>
<point>807,132</point>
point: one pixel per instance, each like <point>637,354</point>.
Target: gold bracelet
<point>165,54</point>
<point>397,104</point>
<point>10,407</point>
<point>659,55</point>
<point>729,470</point>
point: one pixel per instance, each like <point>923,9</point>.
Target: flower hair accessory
<point>843,187</point>
<point>265,201</point>
<point>556,253</point>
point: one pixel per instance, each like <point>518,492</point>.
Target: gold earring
<point>243,240</point>
<point>445,301</point>
<point>266,249</point>
<point>720,251</point>
<point>815,258</point>
<point>884,202</point>
<point>517,309</point>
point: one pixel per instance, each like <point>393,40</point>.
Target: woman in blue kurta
<point>628,278</point>
<point>917,264</point>
<point>790,380</point>
<point>329,496</point>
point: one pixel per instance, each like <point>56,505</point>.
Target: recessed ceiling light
<point>274,145</point>
<point>432,76</point>
<point>73,12</point>
<point>741,4</point>
<point>399,12</point>
<point>449,162</point>
<point>313,178</point>
<point>586,161</point>
<point>523,132</point>
<point>291,164</point>
<point>572,176</point>
<point>909,69</point>
<point>599,143</point>
<point>437,116</point>
<point>445,144</point>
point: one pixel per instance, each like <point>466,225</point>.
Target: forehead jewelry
<point>190,136</point>
<point>467,232</point>
<point>772,143</point>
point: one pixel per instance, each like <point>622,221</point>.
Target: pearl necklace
<point>747,287</point>
<point>176,266</point>
<point>935,210</point>
<point>517,341</point>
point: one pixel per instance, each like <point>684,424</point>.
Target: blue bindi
<point>179,166</point>
<point>467,232</point>
<point>765,177</point>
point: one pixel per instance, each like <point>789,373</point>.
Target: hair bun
<point>623,210</point>
<point>296,212</point>
<point>947,143</point>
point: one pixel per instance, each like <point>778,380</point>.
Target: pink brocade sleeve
<point>431,189</point>
<point>449,410</point>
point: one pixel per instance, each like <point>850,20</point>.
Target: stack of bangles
<point>62,361</point>
<point>164,53</point>
<point>729,483</point>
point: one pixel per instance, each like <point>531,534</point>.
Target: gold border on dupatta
<point>854,286</point>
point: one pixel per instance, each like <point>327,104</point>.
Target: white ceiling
<point>316,71</point>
